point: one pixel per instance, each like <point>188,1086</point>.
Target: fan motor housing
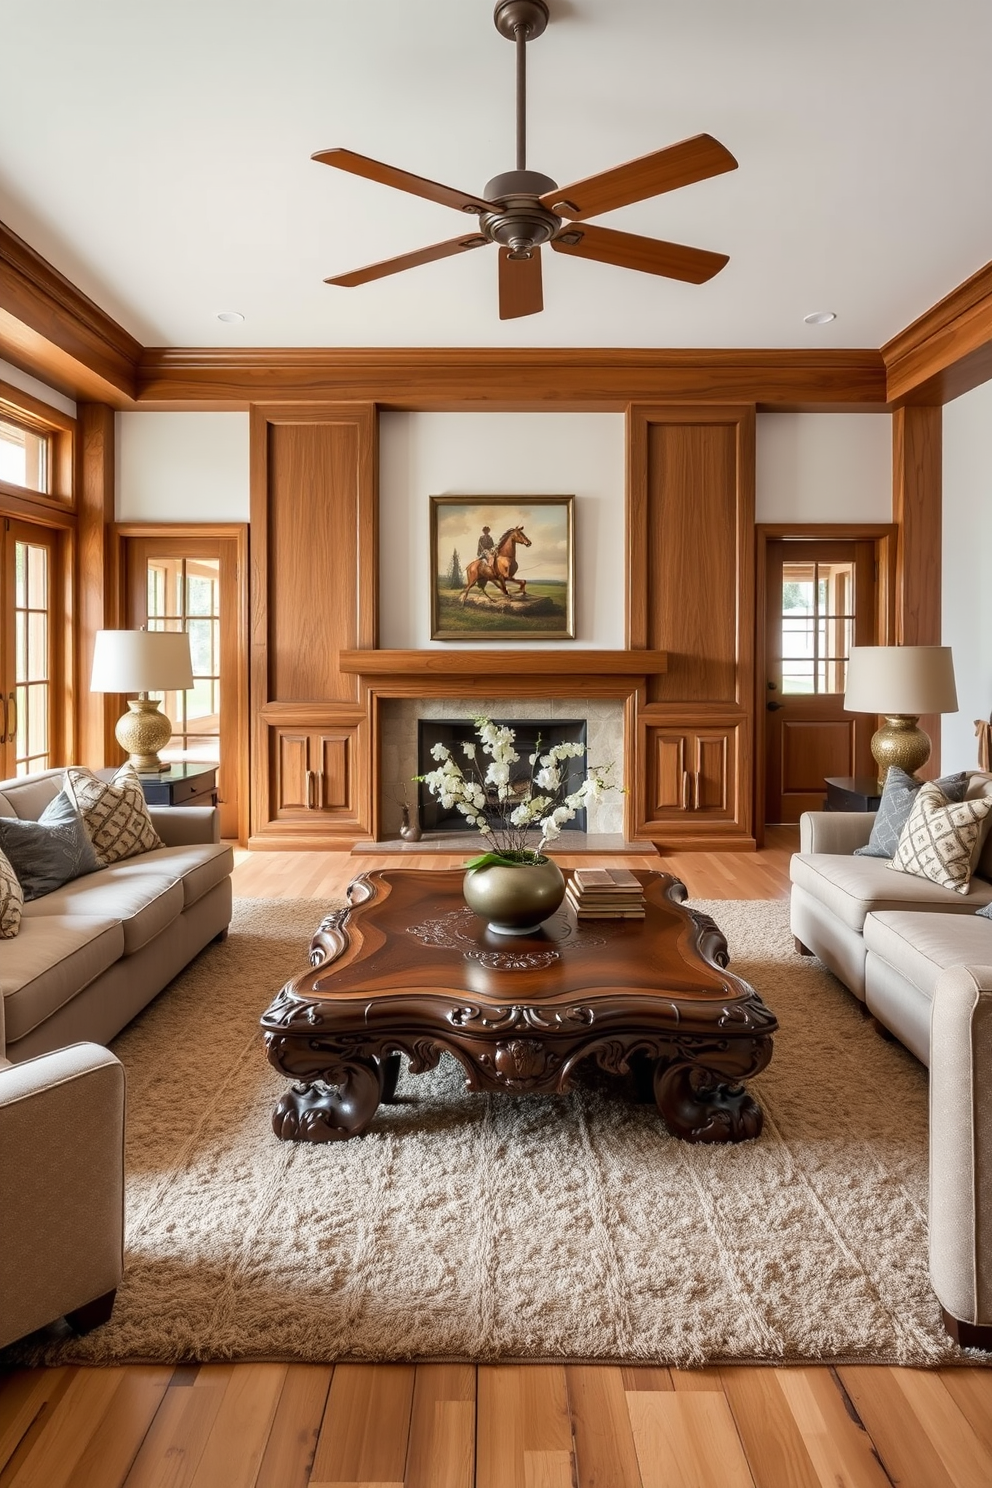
<point>524,223</point>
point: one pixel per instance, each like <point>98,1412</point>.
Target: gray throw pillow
<point>49,852</point>
<point>985,910</point>
<point>898,796</point>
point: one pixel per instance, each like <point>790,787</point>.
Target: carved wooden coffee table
<point>408,969</point>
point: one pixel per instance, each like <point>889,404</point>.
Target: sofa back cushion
<point>980,784</point>
<point>27,796</point>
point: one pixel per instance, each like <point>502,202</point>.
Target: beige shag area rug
<point>484,1227</point>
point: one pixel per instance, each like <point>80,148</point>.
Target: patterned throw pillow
<point>898,794</point>
<point>48,852</point>
<point>11,901</point>
<point>115,814</point>
<point>985,910</point>
<point>942,841</point>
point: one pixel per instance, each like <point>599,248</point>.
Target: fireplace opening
<point>533,735</point>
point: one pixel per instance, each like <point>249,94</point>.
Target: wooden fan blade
<point>520,287</point>
<point>388,175</point>
<point>650,255</point>
<point>678,165</point>
<point>408,261</point>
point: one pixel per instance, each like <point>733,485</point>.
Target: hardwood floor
<point>504,1426</point>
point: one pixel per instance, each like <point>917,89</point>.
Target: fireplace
<point>532,735</point>
<point>401,718</point>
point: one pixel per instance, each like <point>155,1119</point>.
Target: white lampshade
<point>907,680</point>
<point>141,661</point>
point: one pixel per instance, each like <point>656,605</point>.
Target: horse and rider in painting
<point>497,564</point>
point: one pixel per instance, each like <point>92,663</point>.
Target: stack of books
<point>605,894</point>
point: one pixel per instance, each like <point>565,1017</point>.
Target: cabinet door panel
<point>669,771</point>
<point>713,784</point>
<point>692,786</point>
<point>332,759</point>
<point>292,789</point>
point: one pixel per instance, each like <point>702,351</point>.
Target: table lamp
<point>900,682</point>
<point>142,661</point>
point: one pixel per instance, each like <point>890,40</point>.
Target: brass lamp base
<point>143,731</point>
<point>900,741</point>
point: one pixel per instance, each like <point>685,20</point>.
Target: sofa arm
<point>961,1150</point>
<point>834,831</point>
<point>184,826</point>
<point>61,1186</point>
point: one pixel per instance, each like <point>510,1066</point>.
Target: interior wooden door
<point>820,600</point>
<point>194,581</point>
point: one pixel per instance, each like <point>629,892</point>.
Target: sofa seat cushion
<point>144,898</point>
<point>54,957</point>
<point>921,946</point>
<point>198,867</point>
<point>853,887</point>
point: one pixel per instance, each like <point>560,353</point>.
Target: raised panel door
<point>293,786</point>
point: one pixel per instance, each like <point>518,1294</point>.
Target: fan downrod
<point>529,16</point>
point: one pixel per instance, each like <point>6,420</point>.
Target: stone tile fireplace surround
<point>398,719</point>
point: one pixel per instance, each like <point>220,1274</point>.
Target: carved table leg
<point>340,1105</point>
<point>699,1107</point>
<point>390,1077</point>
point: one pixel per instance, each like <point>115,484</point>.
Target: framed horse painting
<point>502,568</point>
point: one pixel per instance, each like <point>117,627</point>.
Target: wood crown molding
<point>947,351</point>
<point>494,378</point>
<point>52,330</point>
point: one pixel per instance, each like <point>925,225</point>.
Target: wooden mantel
<point>499,664</point>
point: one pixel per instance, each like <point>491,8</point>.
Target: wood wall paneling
<point>691,592</point>
<point>97,598</point>
<point>314,570</point>
<point>917,512</point>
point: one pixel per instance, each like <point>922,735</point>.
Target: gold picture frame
<point>520,589</point>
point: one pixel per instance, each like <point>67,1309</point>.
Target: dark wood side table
<point>408,969</point>
<point>190,783</point>
<point>851,793</point>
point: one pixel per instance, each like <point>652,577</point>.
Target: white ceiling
<point>157,152</point>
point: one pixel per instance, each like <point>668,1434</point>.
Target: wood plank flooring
<point>504,1426</point>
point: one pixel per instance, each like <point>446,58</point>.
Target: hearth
<point>533,735</point>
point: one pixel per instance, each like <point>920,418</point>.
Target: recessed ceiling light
<point>819,317</point>
<point>233,317</point>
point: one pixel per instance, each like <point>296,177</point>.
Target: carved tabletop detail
<point>650,999</point>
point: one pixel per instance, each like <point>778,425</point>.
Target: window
<point>184,594</point>
<point>817,625</point>
<point>30,626</point>
<point>25,456</point>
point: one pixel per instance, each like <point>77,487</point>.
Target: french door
<point>195,581</point>
<point>820,601</point>
<point>33,712</point>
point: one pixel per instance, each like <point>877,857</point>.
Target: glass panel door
<point>184,594</point>
<point>30,627</point>
<point>817,626</point>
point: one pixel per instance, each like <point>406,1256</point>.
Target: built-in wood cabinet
<point>692,778</point>
<point>316,773</point>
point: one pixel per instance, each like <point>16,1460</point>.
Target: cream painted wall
<point>28,384</point>
<point>966,584</point>
<point>182,467</point>
<point>438,454</point>
<point>814,467</point>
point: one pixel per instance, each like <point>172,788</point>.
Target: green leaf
<point>526,858</point>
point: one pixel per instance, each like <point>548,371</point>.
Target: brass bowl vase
<point>514,900</point>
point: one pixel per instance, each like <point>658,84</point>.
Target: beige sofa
<point>90,955</point>
<point>919,959</point>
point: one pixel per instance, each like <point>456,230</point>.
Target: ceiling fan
<point>521,209</point>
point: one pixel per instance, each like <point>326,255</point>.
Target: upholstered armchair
<point>61,1188</point>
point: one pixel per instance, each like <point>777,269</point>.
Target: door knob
<point>773,707</point>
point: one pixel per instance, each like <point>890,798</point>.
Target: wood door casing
<point>808,735</point>
<point>228,545</point>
